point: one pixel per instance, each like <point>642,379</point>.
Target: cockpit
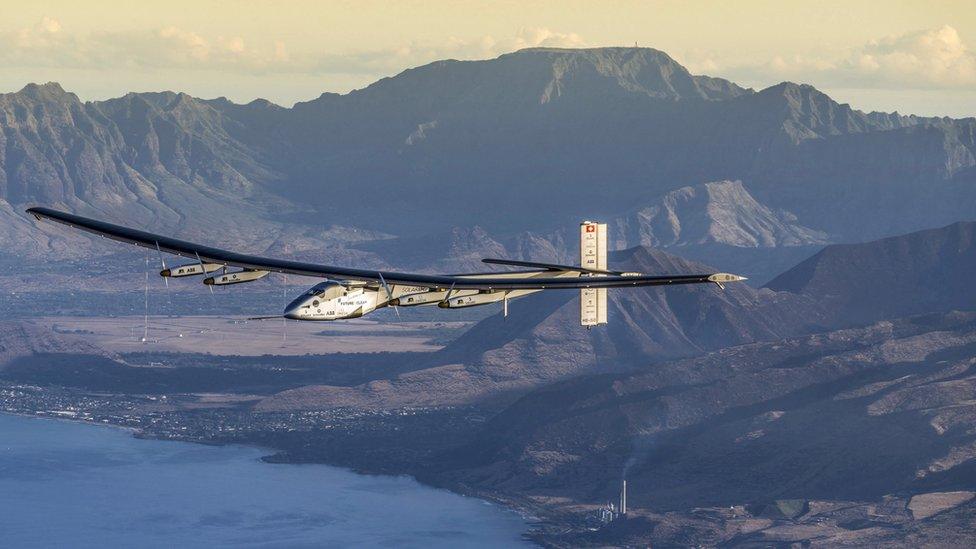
<point>326,301</point>
<point>325,290</point>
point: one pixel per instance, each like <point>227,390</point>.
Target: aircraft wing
<point>224,257</point>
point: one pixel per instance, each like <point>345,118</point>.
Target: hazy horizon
<point>907,57</point>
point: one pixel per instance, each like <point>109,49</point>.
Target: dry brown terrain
<point>225,336</point>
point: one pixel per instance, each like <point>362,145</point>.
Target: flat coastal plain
<point>230,336</point>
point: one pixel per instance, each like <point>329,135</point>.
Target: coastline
<point>527,514</point>
<point>134,431</point>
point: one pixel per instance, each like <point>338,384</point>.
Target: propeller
<point>389,295</point>
<point>163,263</point>
<point>203,270</point>
<point>447,296</point>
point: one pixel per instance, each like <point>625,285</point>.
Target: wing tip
<point>36,212</point>
<point>726,277</point>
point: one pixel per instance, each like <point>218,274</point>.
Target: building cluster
<point>166,417</point>
<point>611,512</point>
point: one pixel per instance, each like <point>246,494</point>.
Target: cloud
<point>935,58</point>
<point>50,26</point>
<point>47,44</point>
<point>416,53</point>
<point>543,37</point>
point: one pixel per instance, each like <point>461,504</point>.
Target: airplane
<point>351,293</point>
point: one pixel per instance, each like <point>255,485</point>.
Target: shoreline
<point>134,431</point>
<point>519,509</point>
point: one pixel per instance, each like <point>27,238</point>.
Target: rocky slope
<point>719,212</point>
<point>719,223</point>
<point>802,418</point>
<point>163,161</point>
<point>915,273</point>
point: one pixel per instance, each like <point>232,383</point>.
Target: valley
<point>760,436</point>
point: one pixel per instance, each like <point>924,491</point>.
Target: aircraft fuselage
<point>334,300</point>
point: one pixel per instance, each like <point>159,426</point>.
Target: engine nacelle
<point>726,277</point>
<point>190,269</point>
<point>236,277</point>
<point>428,298</point>
<point>473,300</point>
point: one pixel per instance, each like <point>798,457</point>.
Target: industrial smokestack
<point>623,498</point>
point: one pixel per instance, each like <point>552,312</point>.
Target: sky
<point>912,57</point>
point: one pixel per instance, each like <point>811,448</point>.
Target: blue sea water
<point>65,484</point>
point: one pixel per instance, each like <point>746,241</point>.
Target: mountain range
<point>530,142</point>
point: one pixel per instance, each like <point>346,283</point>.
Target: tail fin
<point>593,255</point>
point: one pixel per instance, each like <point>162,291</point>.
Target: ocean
<point>69,484</point>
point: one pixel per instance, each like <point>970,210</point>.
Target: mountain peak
<point>717,212</point>
<point>50,91</point>
<point>535,76</point>
<point>797,94</point>
<point>644,71</point>
<point>603,50</point>
<point>792,88</point>
<point>812,114</point>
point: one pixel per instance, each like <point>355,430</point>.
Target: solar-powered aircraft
<point>351,293</point>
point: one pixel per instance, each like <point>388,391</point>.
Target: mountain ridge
<point>489,139</point>
<point>917,273</point>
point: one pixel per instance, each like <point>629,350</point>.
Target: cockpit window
<point>332,292</point>
<point>325,290</point>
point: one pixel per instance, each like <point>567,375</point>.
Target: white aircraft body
<point>351,293</point>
